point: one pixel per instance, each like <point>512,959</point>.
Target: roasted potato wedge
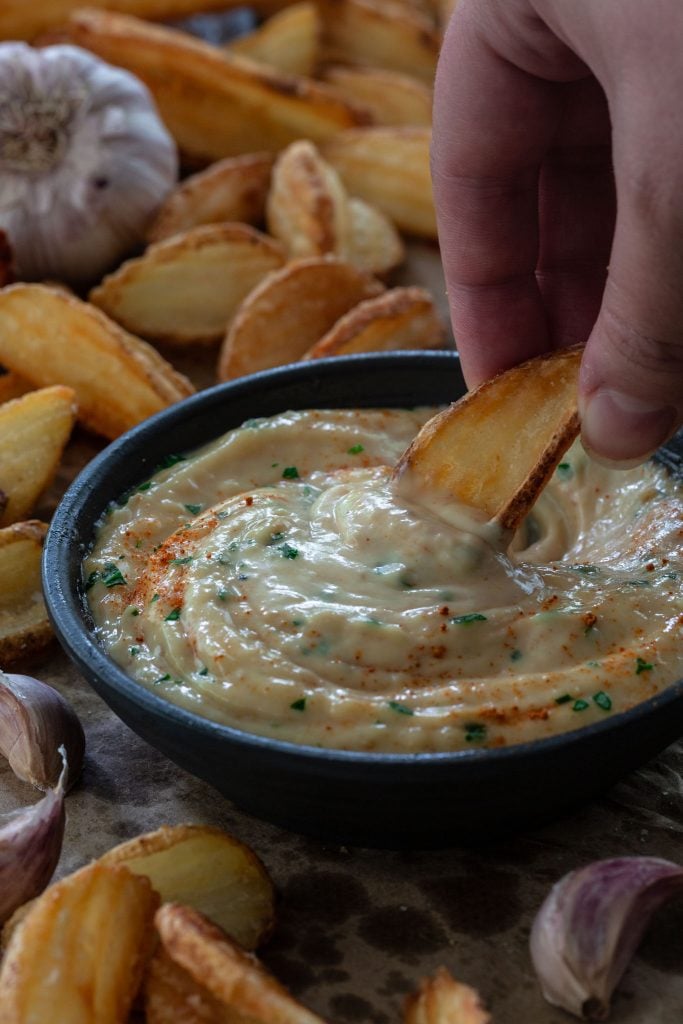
<point>374,244</point>
<point>288,42</point>
<point>81,951</point>
<point>403,318</point>
<point>442,1000</point>
<point>234,189</point>
<point>172,996</point>
<point>393,99</point>
<point>379,34</point>
<point>13,385</point>
<point>497,447</point>
<point>34,430</point>
<point>233,977</point>
<point>25,630</point>
<point>25,19</point>
<point>209,870</point>
<point>51,337</point>
<point>289,311</point>
<point>186,289</point>
<point>307,207</point>
<point>388,167</point>
<point>214,103</point>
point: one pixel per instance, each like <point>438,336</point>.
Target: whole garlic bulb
<point>85,161</point>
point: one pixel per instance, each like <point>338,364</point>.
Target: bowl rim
<point>67,609</point>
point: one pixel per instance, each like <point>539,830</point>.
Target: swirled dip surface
<point>275,582</point>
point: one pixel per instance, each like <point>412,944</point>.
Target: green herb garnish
<point>112,576</point>
<point>92,580</point>
<point>135,611</point>
<point>643,666</point>
<point>204,671</point>
<point>475,732</point>
<point>564,699</point>
<point>146,486</point>
<point>565,471</point>
<point>356,449</point>
<point>298,705</point>
<point>173,616</point>
<point>516,655</point>
<point>155,597</point>
<point>182,561</point>
<point>170,460</point>
<point>465,620</point>
<point>163,679</point>
<point>133,651</point>
<point>288,551</point>
<point>579,705</point>
<point>401,709</point>
<point>603,700</point>
<point>290,473</point>
<point>193,509</point>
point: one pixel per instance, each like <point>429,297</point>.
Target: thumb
<point>631,382</point>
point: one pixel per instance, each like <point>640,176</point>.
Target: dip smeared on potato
<point>276,582</point>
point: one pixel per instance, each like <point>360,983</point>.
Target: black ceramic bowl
<point>350,797</point>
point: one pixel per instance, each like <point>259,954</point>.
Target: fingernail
<point>621,430</point>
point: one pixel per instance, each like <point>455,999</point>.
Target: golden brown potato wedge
<point>81,951</point>
<point>388,167</point>
<point>442,1000</point>
<point>497,447</point>
<point>186,289</point>
<point>234,189</point>
<point>34,430</point>
<point>307,207</point>
<point>24,626</point>
<point>288,42</point>
<point>172,996</point>
<point>209,870</point>
<point>379,34</point>
<point>289,311</point>
<point>25,19</point>
<point>214,103</point>
<point>13,385</point>
<point>393,99</point>
<point>374,244</point>
<point>402,318</point>
<point>51,337</point>
<point>233,977</point>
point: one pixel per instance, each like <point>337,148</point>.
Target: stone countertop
<point>357,928</point>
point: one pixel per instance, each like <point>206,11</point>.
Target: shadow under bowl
<point>371,799</point>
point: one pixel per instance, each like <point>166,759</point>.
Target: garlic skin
<point>30,845</point>
<point>590,924</point>
<point>36,722</point>
<point>85,161</point>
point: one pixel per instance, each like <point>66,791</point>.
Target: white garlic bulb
<point>85,161</point>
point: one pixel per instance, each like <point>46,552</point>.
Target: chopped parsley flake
<point>565,471</point>
<point>224,595</point>
<point>135,611</point>
<point>466,620</point>
<point>173,616</point>
<point>298,705</point>
<point>133,651</point>
<point>288,551</point>
<point>643,666</point>
<point>603,700</point>
<point>290,473</point>
<point>155,597</point>
<point>146,486</point>
<point>298,622</point>
<point>92,580</point>
<point>401,709</point>
<point>516,655</point>
<point>182,561</point>
<point>204,671</point>
<point>163,679</point>
<point>564,699</point>
<point>579,705</point>
<point>112,576</point>
<point>356,449</point>
<point>475,732</point>
<point>170,460</point>
<point>274,464</point>
<point>193,509</point>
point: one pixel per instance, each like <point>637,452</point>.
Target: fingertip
<point>622,430</point>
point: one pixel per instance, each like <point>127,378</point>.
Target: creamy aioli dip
<point>275,582</point>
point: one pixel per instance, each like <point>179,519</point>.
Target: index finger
<point>493,123</point>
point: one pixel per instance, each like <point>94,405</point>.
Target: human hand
<point>557,151</point>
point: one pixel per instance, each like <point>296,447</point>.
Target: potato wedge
<point>374,244</point>
<point>289,311</point>
<point>25,630</point>
<point>13,385</point>
<point>50,337</point>
<point>80,953</point>
<point>214,103</point>
<point>209,870</point>
<point>402,318</point>
<point>25,19</point>
<point>497,447</point>
<point>288,42</point>
<point>393,98</point>
<point>379,34</point>
<point>234,189</point>
<point>34,430</point>
<point>388,167</point>
<point>307,207</point>
<point>232,976</point>
<point>186,289</point>
<point>442,1000</point>
<point>172,996</point>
